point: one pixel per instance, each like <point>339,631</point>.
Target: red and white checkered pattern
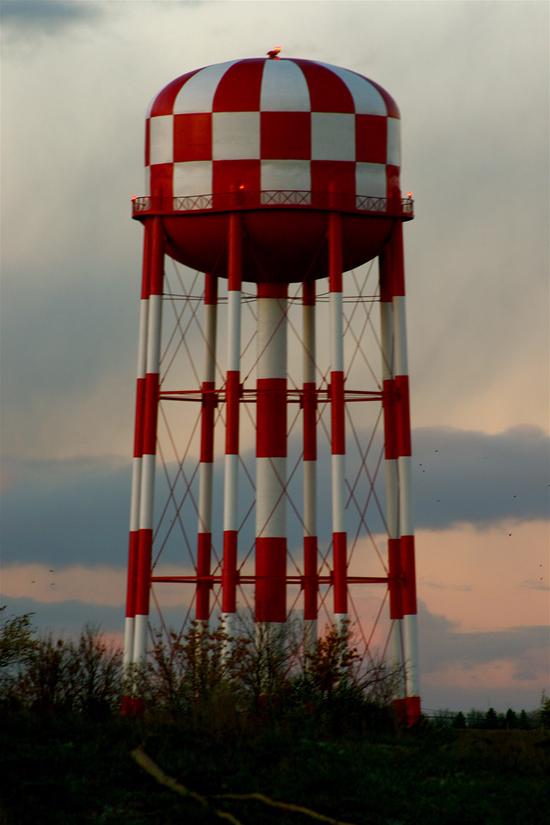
<point>262,124</point>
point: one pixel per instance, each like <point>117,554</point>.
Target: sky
<point>472,83</point>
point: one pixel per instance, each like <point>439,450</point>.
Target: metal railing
<point>268,198</point>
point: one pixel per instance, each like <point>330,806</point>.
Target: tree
<point>491,719</point>
<point>459,721</point>
<point>544,711</point>
<point>510,719</point>
<point>524,723</point>
<point>475,719</point>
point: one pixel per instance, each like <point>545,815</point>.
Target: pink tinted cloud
<point>481,579</point>
<point>103,585</point>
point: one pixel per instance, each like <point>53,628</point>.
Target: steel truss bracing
<point>272,452</point>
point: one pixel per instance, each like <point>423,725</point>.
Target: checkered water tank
<point>264,126</point>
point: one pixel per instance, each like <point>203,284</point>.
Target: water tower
<point>271,180</point>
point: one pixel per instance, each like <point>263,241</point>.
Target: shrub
<point>16,649</point>
<point>204,676</point>
<point>59,674</point>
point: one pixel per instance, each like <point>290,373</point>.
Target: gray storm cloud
<point>472,85</point>
<point>76,512</point>
<point>32,17</point>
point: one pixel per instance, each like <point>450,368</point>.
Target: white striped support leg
<point>271,452</point>
<point>232,400</point>
<point>392,478</point>
<point>206,463</point>
<point>309,408</point>
<point>404,452</point>
<point>149,441</point>
<point>133,539</point>
<point>338,435</point>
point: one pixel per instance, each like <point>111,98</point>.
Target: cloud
<point>74,511</point>
<point>66,512</point>
<point>468,476</point>
<point>478,344</point>
<point>461,588</point>
<point>47,17</point>
<point>65,618</point>
<point>504,668</point>
<point>444,643</point>
<point>480,573</point>
<point>535,584</point>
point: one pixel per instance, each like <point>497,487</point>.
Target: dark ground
<point>69,769</point>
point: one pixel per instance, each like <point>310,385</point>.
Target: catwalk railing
<point>243,199</point>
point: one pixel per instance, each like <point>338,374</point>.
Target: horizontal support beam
<point>250,579</point>
<point>249,396</point>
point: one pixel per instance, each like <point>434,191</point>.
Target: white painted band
<point>271,497</point>
<point>128,654</point>
<point>406,527</point>
<point>398,655</point>
<point>392,499</point>
<point>135,494</point>
<point>140,640</point>
<point>310,634</point>
<point>197,95</point>
<point>400,335</point>
<point>386,335</point>
<point>228,622</point>
<point>271,338</point>
<point>340,620</point>
<point>284,88</point>
<point>366,97</point>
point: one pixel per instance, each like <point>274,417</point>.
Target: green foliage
<point>524,722</point>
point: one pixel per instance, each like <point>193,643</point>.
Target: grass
<point>71,769</point>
